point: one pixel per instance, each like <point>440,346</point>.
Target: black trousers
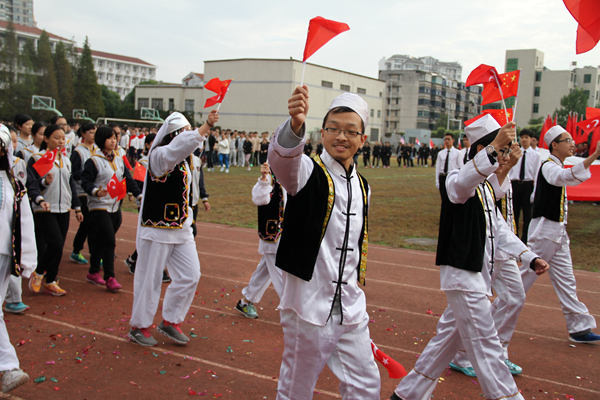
<point>367,160</point>
<point>521,200</point>
<point>103,242</point>
<point>53,230</point>
<point>210,159</point>
<point>84,227</point>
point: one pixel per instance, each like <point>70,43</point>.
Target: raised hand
<point>506,135</point>
<point>298,107</point>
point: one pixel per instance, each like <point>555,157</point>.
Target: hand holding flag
<point>218,86</point>
<point>44,164</point>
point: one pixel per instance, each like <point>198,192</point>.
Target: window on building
<point>512,64</point>
<point>117,78</point>
<point>536,91</point>
<point>118,66</point>
<point>374,135</point>
<point>395,113</point>
<point>538,76</point>
<point>189,105</point>
<point>387,113</point>
<point>134,80</point>
<point>536,108</point>
<point>119,90</point>
<point>345,88</point>
<point>134,69</point>
<point>157,104</point>
<point>151,71</point>
<point>397,101</point>
<point>378,113</point>
<point>327,84</point>
<point>586,93</point>
<point>171,104</point>
<point>100,63</point>
<point>143,102</point>
<point>587,78</point>
<point>380,94</point>
<point>372,113</point>
<point>100,76</point>
<point>361,91</point>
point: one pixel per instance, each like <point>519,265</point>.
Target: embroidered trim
<point>431,379</point>
<point>477,169</point>
<point>330,195</point>
<point>523,252</point>
<point>573,173</point>
<point>365,243</point>
<point>562,205</point>
<point>179,224</point>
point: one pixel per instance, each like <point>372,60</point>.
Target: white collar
<point>335,166</point>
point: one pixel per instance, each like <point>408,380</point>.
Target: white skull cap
<point>355,103</point>
<point>5,136</point>
<point>176,121</point>
<point>481,128</point>
<point>553,133</point>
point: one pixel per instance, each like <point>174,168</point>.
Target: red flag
<point>430,144</point>
<point>547,125</point>
<point>500,116</point>
<point>218,86</point>
<point>569,127</point>
<point>459,145</point>
<point>587,15</point>
<point>44,164</point>
<point>139,174</point>
<point>395,369</point>
<point>126,162</point>
<point>417,141</point>
<point>510,86</point>
<point>555,120</point>
<point>595,139</point>
<point>321,31</point>
<point>482,74</point>
<point>116,188</point>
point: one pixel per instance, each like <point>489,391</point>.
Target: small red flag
<point>321,31</point>
<point>139,174</point>
<point>395,369</point>
<point>430,143</point>
<point>218,86</point>
<point>500,116</point>
<point>44,164</point>
<point>587,15</point>
<point>417,142</point>
<point>594,141</point>
<point>510,86</point>
<point>116,188</point>
<point>482,74</point>
<point>126,162</point>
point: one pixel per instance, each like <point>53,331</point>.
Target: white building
<point>18,11</point>
<point>398,62</point>
<point>25,33</point>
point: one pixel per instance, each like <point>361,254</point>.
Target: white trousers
<point>467,318</point>
<point>558,255</point>
<point>14,291</point>
<point>232,157</point>
<point>265,273</point>
<point>509,303</point>
<point>241,158</point>
<point>345,349</point>
<point>8,355</point>
<point>184,269</point>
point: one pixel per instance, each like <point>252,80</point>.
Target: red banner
<point>588,190</point>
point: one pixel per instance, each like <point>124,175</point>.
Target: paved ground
<point>78,342</point>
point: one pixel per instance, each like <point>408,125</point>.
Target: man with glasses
<point>448,160</point>
<point>549,236</point>
<point>323,252</point>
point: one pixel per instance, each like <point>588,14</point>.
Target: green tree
<point>576,101</point>
<point>46,82</point>
<point>64,79</point>
<point>536,121</point>
<point>112,102</point>
<point>439,132</point>
<point>88,93</point>
<point>26,85</point>
<point>9,60</point>
<point>442,121</point>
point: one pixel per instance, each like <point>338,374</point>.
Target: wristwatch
<point>491,151</point>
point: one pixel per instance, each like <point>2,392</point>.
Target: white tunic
<point>313,300</point>
<point>454,162</point>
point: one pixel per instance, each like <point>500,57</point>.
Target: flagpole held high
<point>303,69</point>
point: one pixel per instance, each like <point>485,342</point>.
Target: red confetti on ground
<point>429,312</point>
<point>192,393</point>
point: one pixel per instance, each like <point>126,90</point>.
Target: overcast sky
<point>179,35</point>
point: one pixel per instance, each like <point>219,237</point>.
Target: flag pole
<point>219,106</point>
<point>303,69</point>
<point>517,97</point>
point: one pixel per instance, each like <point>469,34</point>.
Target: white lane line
<point>175,353</point>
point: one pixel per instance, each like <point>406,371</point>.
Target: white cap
<point>553,133</point>
<point>176,121</point>
<point>355,103</point>
<point>5,137</point>
<point>481,128</point>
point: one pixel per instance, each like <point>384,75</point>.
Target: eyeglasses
<point>568,140</point>
<point>505,152</point>
<point>348,134</point>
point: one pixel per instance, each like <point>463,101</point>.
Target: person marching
<point>471,231</point>
<point>549,236</point>
<point>17,253</point>
<point>323,252</point>
<point>79,156</point>
<point>103,170</point>
<point>53,196</point>
<point>37,133</point>
<point>269,196</point>
<point>448,160</point>
<point>164,234</point>
<point>23,123</point>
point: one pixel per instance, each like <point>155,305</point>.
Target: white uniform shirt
<point>313,300</point>
<point>501,191</point>
<point>532,166</point>
<point>461,158</point>
<point>453,163</point>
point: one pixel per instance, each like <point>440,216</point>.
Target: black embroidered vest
<point>270,216</point>
<point>549,200</point>
<point>166,199</point>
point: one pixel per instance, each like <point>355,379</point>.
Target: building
<point>18,11</point>
<point>452,69</point>
<point>25,33</point>
<point>541,89</point>
<point>120,73</point>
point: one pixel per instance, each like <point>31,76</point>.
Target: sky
<point>179,35</point>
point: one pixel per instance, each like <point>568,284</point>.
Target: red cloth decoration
<point>126,162</point>
<point>587,15</point>
<point>588,190</point>
<point>44,164</point>
<point>321,31</point>
<point>218,86</point>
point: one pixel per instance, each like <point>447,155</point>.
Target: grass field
<point>404,204</point>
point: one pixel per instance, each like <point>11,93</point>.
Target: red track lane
<point>79,340</point>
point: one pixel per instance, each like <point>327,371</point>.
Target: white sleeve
<point>499,190</point>
<point>509,243</point>
<point>261,192</point>
<point>438,170</point>
<point>536,166</point>
<point>462,183</point>
<point>287,159</point>
<point>28,246</point>
<point>163,159</point>
<point>558,176</point>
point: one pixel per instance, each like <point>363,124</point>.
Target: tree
<point>88,93</point>
<point>536,121</point>
<point>64,79</point>
<point>112,102</point>
<point>442,121</point>
<point>46,82</point>
<point>9,58</point>
<point>576,101</point>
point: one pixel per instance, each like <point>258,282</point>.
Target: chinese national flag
<point>482,74</point>
<point>116,188</point>
<point>218,86</point>
<point>587,15</point>
<point>139,174</point>
<point>44,164</point>
<point>126,162</point>
<point>395,369</point>
<point>510,86</point>
<point>500,116</point>
<point>321,31</point>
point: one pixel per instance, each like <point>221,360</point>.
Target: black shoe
<point>166,278</point>
<point>395,397</point>
<point>130,264</point>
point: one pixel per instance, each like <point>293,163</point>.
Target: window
<point>134,69</point>
<point>372,113</point>
<point>586,93</point>
<point>119,90</point>
<point>387,113</point>
<point>327,84</point>
<point>143,102</point>
<point>157,104</point>
<point>378,113</point>
<point>171,104</point>
<point>100,63</point>
<point>118,66</point>
<point>374,134</point>
<point>134,80</point>
<point>380,94</point>
<point>536,108</point>
<point>361,91</point>
<point>587,78</point>
<point>538,76</point>
<point>117,78</point>
<point>512,64</point>
<point>100,76</point>
<point>189,105</point>
<point>345,88</point>
<point>423,113</point>
<point>536,91</point>
<point>151,71</point>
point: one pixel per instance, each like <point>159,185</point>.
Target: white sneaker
<point>227,171</point>
<point>13,379</point>
<point>222,169</point>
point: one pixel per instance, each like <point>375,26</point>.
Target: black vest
<point>549,200</point>
<point>20,191</point>
<point>166,199</point>
<point>270,216</point>
<point>461,239</point>
<point>306,218</point>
